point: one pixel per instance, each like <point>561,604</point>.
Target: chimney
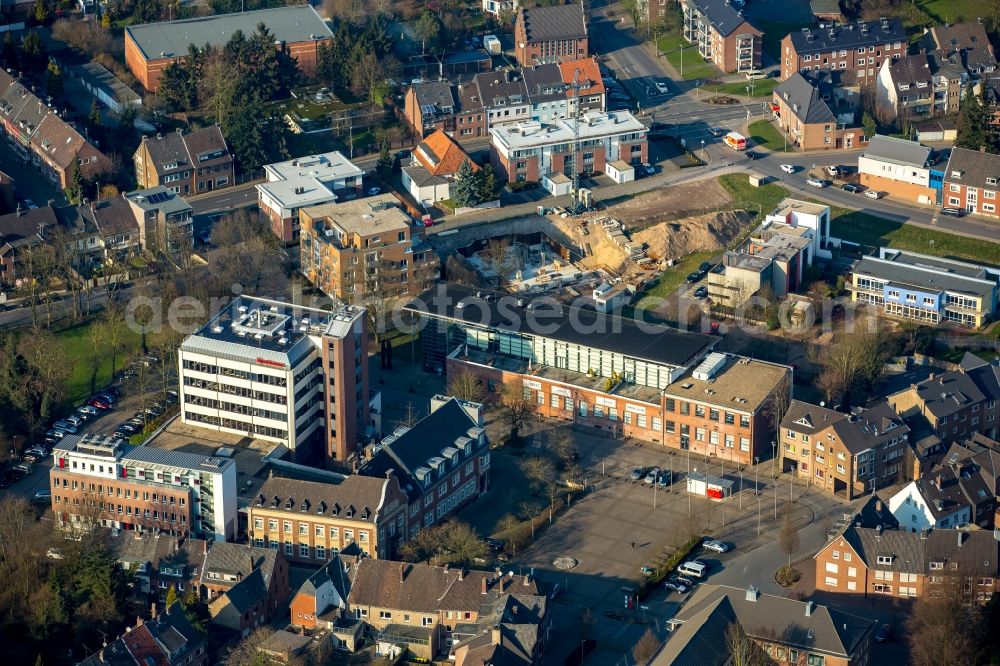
<point>484,585</point>
<point>461,573</point>
<point>152,610</point>
<point>809,608</point>
<point>937,481</point>
<point>878,506</point>
<point>446,567</point>
<point>923,533</point>
<point>753,594</point>
<point>982,149</point>
<point>402,571</point>
<point>497,638</point>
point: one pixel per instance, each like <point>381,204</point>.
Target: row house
<point>311,521</point>
<point>970,181</point>
<point>226,564</point>
<point>38,134</point>
<point>166,221</point>
<point>20,232</point>
<point>442,463</point>
<point>612,143</point>
<point>322,598</point>
<point>960,489</point>
<point>191,163</point>
<point>877,563</point>
<point>105,481</point>
<point>423,607</point>
<point>848,455</point>
<point>966,44</point>
<point>950,82</point>
<point>721,33</point>
<point>167,639</point>
<point>904,87</point>
<point>812,120</point>
<point>900,168</point>
<point>160,562</point>
<point>954,405</point>
<point>654,383</point>
<point>860,48</point>
<point>550,34</point>
<point>108,231</point>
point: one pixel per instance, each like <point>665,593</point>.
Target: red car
<point>97,402</point>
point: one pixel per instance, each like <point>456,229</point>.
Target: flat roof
<point>167,39</point>
<point>308,180</point>
<point>251,329</point>
<point>926,278</point>
<point>545,317</point>
<point>787,206</point>
<point>365,217</point>
<point>593,124</point>
<point>742,384</point>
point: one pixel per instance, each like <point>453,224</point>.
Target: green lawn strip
<point>761,88</point>
<point>765,198</point>
<point>672,277</point>
<point>952,11</point>
<point>763,133</point>
<point>78,351</point>
<point>694,66</point>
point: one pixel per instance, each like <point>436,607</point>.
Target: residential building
<point>442,463</point>
<point>854,47</point>
<point>792,215</point>
<point>280,372</point>
<point>365,251</point>
<point>431,105</point>
<point>512,628</point>
<point>168,639</point>
<point>312,521</point>
<point>927,289</point>
<point>436,160</point>
<point>105,481</point>
<point>927,502</point>
<point>950,81</point>
<point>955,405</point>
<point>550,34</point>
<point>191,163</point>
<point>243,607</point>
<point>303,182</point>
<point>901,168</point>
<point>721,33</point>
<point>227,564</point>
<point>849,455</point>
<point>504,95</point>
<point>788,631</point>
<point>114,228</point>
<point>165,220</point>
<point>151,47</point>
<point>904,87</point>
<point>967,43</point>
<point>498,7</point>
<point>655,384</point>
<point>809,120</point>
<point>738,278</point>
<point>159,562</point>
<point>970,181</point>
<point>585,74</point>
<point>39,135</point>
<point>876,563</point>
<point>421,606</point>
<point>322,599</point>
<point>532,152</point>
<point>19,233</point>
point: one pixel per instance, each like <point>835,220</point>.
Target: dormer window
<point>289,503</point>
<point>321,509</point>
<point>275,501</point>
<point>260,500</point>
<point>957,175</point>
<point>304,506</point>
<point>336,509</point>
<point>885,559</point>
<point>991,181</point>
<point>350,511</point>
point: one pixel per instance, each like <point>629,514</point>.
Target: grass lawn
<point>952,11</point>
<point>764,134</point>
<point>761,88</point>
<point>875,231</point>
<point>695,66</point>
<point>76,345</point>
<point>749,197</point>
<point>672,277</point>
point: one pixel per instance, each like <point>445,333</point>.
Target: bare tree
<point>852,363</point>
<point>517,407</point>
<point>499,260</point>
<point>247,252</point>
<point>937,630</point>
<point>788,539</point>
<point>466,385</point>
<point>743,650</point>
<point>248,651</point>
<point>644,650</point>
<point>537,470</point>
<point>411,417</point>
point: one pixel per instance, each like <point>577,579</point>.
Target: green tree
<point>53,80</point>
<point>869,124</point>
<point>491,184</point>
<point>94,118</point>
<point>467,188</point>
<point>428,30</point>
<point>40,12</point>
<point>974,124</point>
<point>77,182</point>
<point>257,136</point>
<point>33,55</point>
<point>147,11</point>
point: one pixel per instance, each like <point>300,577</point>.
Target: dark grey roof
<point>973,168</point>
<point>721,14</point>
<point>354,494</point>
<point>968,41</point>
<point>806,418</point>
<point>504,88</point>
<point>248,592</point>
<point>923,278</point>
<point>543,317</point>
<point>898,151</point>
<point>233,559</point>
<point>869,427</point>
<point>332,572</point>
<point>544,24</point>
<point>911,70</point>
<point>874,513</point>
<point>297,23</point>
<point>177,458</point>
<point>948,393</point>
<point>849,36</point>
<point>419,174</point>
<point>804,100</point>
<point>544,83</point>
<point>974,551</point>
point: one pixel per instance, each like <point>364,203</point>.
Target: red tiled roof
<point>590,74</point>
<point>441,155</point>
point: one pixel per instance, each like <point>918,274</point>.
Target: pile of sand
<point>677,239</point>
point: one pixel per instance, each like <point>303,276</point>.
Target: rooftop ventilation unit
<point>710,366</point>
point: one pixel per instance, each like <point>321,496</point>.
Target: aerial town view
<point>499,332</point>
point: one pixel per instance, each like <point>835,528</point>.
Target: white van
<point>755,75</point>
<point>696,569</point>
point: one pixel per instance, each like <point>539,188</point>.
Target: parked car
<point>718,131</point>
<point>637,473</point>
<point>665,479</point>
<point>716,546</point>
<point>954,212</point>
<point>24,468</point>
<point>65,427</point>
<point>55,434</point>
<point>171,397</point>
<point>874,194</point>
<point>30,205</point>
<point>681,579</point>
<point>751,155</point>
<point>788,168</point>
<point>649,169</point>
<point>851,187</point>
<point>108,397</point>
<point>701,292</point>
<point>88,410</point>
<point>495,544</point>
<point>38,451</point>
<point>651,475</point>
<point>694,277</point>
<point>884,633</point>
<point>817,182</point>
<point>44,494</point>
<point>676,587</point>
<point>98,403</point>
<point>51,440</point>
<point>693,568</point>
<point>31,457</point>
<point>833,170</point>
<point>74,421</point>
<point>704,267</point>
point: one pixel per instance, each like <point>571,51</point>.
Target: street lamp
<point>756,463</point>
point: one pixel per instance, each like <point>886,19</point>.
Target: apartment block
<point>927,289</point>
<point>970,181</point>
<point>901,168</point>
<point>281,373</point>
<point>877,563</point>
<point>848,455</point>
<point>165,220</point>
<point>859,48</point>
<point>191,163</point>
<point>613,143</point>
<point>365,249</point>
<point>312,521</point>
<point>442,462</point>
<point>550,34</point>
<point>656,384</point>
<point>105,481</point>
<point>814,120</point>
<point>723,36</point>
<point>302,182</point>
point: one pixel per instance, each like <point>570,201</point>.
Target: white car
<point>817,182</point>
<point>662,87</point>
<point>788,168</point>
<point>88,410</point>
<point>716,546</point>
<point>874,194</point>
<point>833,170</point>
